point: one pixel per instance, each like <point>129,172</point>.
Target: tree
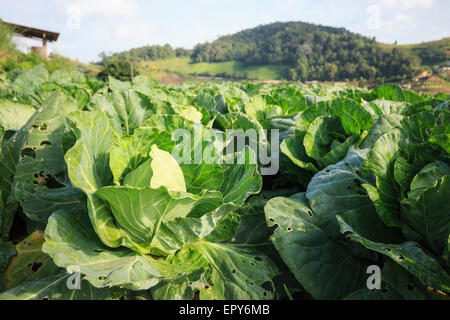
<point>330,71</point>
<point>121,70</point>
<point>313,51</point>
<point>292,74</point>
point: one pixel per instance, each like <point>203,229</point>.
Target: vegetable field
<point>95,204</point>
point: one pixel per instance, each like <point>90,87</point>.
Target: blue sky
<point>89,27</point>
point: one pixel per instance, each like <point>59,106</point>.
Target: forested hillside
<point>313,52</point>
<point>307,51</point>
<point>146,53</point>
<point>433,52</point>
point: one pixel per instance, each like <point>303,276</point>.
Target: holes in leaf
<point>40,178</point>
<point>102,278</point>
<point>46,143</point>
<point>271,220</point>
<point>289,229</point>
<point>35,266</point>
<point>258,258</point>
<point>327,170</point>
<point>41,126</point>
<point>400,257</point>
<point>310,213</point>
<point>28,152</point>
<point>410,287</point>
<point>52,183</point>
<point>8,134</point>
<point>265,294</point>
<point>233,271</point>
<point>268,286</point>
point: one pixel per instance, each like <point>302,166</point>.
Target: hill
<point>292,50</point>
<point>313,52</point>
<point>432,53</point>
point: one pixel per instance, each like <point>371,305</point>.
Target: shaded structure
<point>34,33</point>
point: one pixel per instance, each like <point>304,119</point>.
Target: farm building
<point>34,33</point>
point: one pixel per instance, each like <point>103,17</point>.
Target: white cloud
<point>400,21</point>
<point>405,4</point>
<point>396,18</point>
<point>119,23</point>
<point>134,32</point>
<point>106,8</point>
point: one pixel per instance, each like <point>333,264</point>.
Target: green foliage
<point>5,37</point>
<point>313,52</point>
<point>432,53</point>
<point>146,53</point>
<point>91,169</point>
<point>390,197</point>
<point>121,70</point>
<point>229,69</point>
<point>17,62</point>
<point>294,51</point>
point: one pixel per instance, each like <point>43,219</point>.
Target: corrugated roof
<point>30,32</point>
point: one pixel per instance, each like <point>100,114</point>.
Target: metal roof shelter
<point>34,33</point>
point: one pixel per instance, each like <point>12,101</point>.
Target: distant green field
<point>232,69</point>
<point>429,51</point>
<point>443,44</point>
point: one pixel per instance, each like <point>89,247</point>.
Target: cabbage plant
<point>150,222</point>
<point>386,206</point>
<point>325,131</point>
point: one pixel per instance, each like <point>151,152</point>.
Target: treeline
<point>433,53</point>
<point>313,52</point>
<point>146,53</point>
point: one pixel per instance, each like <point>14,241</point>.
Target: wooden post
<point>44,45</point>
<point>132,72</point>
